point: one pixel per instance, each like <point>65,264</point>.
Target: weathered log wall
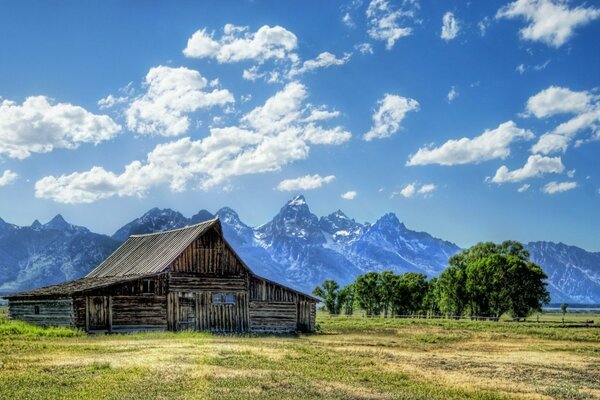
<point>209,254</point>
<point>196,311</point>
<point>278,317</point>
<point>51,312</point>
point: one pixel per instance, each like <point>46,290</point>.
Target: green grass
<point>351,358</point>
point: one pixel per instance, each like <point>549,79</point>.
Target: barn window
<point>229,298</point>
<point>217,298</point>
<point>149,286</point>
<point>36,310</point>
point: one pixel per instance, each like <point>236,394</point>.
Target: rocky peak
<point>58,223</point>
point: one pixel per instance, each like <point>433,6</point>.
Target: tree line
<point>487,280</point>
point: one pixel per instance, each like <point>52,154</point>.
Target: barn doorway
<point>97,307</point>
<point>187,313</point>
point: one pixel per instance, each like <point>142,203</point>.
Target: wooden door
<point>98,312</point>
<point>187,313</point>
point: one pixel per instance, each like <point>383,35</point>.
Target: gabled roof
<point>69,288</point>
<point>150,253</point>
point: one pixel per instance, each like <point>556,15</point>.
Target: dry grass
<point>349,359</point>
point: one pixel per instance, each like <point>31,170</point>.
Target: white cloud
<point>266,139</point>
<point>171,94</point>
<point>549,21</point>
<point>412,189</point>
<point>452,94</point>
<point>483,25</point>
<point>323,60</point>
<point>559,187</point>
<point>571,173</point>
<point>521,69</point>
<point>523,188</point>
<point>7,177</point>
<point>536,166</point>
<point>557,100</point>
<point>364,48</point>
<point>391,112</point>
<point>450,26</point>
<point>238,44</point>
<point>39,126</point>
<point>490,145</point>
<point>307,182</point>
<point>111,101</point>
<point>408,190</point>
<point>385,22</point>
<point>428,188</point>
<point>347,20</point>
<point>349,195</point>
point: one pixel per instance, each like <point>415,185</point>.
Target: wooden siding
<point>209,254</point>
<point>206,315</point>
<point>182,282</point>
<point>277,317</point>
<point>138,312</point>
<point>52,312</point>
<point>263,290</point>
<point>307,311</point>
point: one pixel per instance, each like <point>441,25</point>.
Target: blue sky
<point>472,121</point>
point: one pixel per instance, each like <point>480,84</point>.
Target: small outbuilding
<point>183,279</point>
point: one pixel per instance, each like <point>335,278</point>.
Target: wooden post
<point>109,313</point>
<point>87,313</point>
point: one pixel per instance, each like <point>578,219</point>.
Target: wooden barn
<point>184,279</point>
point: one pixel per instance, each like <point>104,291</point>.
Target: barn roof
<point>150,253</point>
<point>72,287</point>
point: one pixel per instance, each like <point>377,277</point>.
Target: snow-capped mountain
<point>296,248</point>
<point>40,255</point>
<point>573,273</point>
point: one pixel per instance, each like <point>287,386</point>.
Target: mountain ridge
<point>295,247</point>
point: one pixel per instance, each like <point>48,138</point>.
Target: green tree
<point>526,287</point>
<point>346,299</point>
<point>388,287</point>
<point>451,289</point>
<point>329,292</point>
<point>431,300</point>
<point>367,292</point>
<point>491,279</point>
<point>413,287</point>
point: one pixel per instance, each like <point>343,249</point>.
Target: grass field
<point>351,358</point>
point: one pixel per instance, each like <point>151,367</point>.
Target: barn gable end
<point>185,279</point>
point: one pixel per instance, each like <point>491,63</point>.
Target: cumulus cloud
<point>8,177</point>
<point>266,139</point>
<point>549,21</point>
<point>450,26</point>
<point>535,166</point>
<point>111,101</point>
<point>558,100</point>
<point>559,187</point>
<point>307,182</point>
<point>413,189</point>
<point>385,21</point>
<point>349,195</point>
<point>238,44</point>
<point>40,126</point>
<point>491,144</point>
<point>388,117</point>
<point>171,94</point>
<point>323,60</point>
<point>523,188</point>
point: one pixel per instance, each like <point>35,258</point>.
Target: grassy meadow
<point>350,358</point>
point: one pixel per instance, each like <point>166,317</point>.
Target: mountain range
<point>296,248</point>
